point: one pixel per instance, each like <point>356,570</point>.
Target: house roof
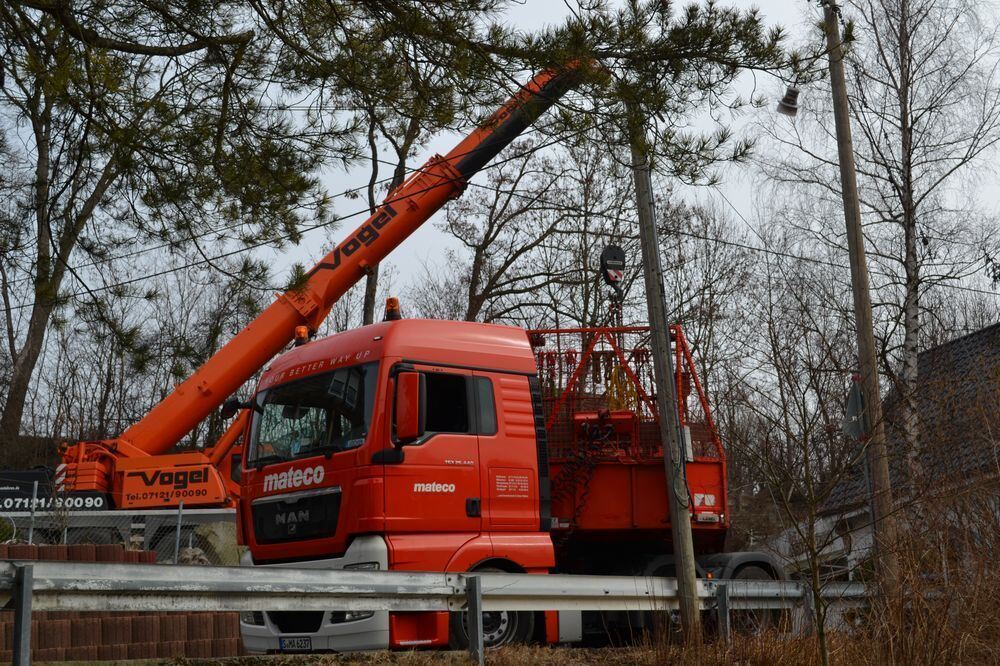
<point>958,402</point>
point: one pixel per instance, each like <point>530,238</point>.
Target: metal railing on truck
<point>84,586</point>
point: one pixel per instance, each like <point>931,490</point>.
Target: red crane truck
<point>431,450</point>
<point>458,446</point>
<point>428,445</point>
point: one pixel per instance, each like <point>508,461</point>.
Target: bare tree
<point>782,410</point>
<point>708,270</point>
<point>598,196</point>
<point>925,105</point>
<point>502,228</point>
<point>106,364</point>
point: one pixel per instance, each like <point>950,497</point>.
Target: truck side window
<point>447,403</point>
<point>485,406</point>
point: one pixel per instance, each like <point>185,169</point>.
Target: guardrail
<point>84,586</point>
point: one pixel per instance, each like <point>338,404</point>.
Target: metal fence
<point>177,536</point>
<point>96,586</point>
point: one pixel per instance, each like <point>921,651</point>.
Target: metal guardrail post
<point>177,537</point>
<point>809,608</point>
<point>722,609</point>
<point>474,596</point>
<point>23,584</point>
<point>34,501</point>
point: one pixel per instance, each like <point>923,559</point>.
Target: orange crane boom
<point>124,465</point>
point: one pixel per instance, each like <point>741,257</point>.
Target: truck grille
<point>296,516</point>
<point>296,622</point>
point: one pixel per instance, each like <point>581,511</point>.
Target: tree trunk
<point>24,365</point>
<point>911,269</point>
<point>371,293</point>
<point>45,290</point>
<point>49,270</point>
<point>105,400</point>
<point>474,302</point>
<point>371,281</point>
<point>398,175</point>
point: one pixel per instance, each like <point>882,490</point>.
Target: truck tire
<point>754,622</point>
<point>499,627</point>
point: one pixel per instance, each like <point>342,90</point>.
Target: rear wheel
<point>754,621</point>
<point>663,625</point>
<point>499,627</point>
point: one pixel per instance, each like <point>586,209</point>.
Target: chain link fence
<point>178,536</point>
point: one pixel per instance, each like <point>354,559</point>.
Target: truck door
<point>437,488</point>
<point>508,453</point>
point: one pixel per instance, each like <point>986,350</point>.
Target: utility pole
<point>878,460</point>
<point>666,398</point>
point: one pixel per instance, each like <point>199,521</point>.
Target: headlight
<point>350,616</point>
<point>368,566</point>
<point>252,617</point>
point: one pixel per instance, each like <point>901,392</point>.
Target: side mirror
<point>411,400</point>
<point>230,407</point>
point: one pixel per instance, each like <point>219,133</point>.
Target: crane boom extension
<point>405,209</point>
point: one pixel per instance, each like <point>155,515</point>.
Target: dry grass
<point>767,650</point>
<point>748,651</point>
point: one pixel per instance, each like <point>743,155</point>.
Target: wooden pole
<point>878,460</point>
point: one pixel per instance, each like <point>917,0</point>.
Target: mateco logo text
<point>434,487</point>
<point>294,478</point>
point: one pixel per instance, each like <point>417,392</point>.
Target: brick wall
<point>105,635</point>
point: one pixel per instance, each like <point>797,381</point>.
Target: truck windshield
<point>324,413</point>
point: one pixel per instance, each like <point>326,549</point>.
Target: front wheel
<point>499,627</point>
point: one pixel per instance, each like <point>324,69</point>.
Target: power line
<point>493,165</point>
<point>346,193</point>
<point>753,248</point>
<point>744,246</point>
<point>206,260</point>
<point>294,106</point>
<point>834,264</point>
<point>253,246</point>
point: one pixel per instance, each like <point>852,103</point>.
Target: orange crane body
<point>137,469</point>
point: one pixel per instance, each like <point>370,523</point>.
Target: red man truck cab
<point>328,478</point>
<point>424,445</point>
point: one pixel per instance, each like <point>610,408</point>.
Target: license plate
<point>303,643</point>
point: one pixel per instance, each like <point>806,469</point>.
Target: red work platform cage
<point>605,452</point>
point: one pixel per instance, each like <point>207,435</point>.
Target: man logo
<point>291,518</point>
<point>294,478</point>
<point>434,487</point>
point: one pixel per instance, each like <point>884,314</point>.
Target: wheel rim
<point>498,627</point>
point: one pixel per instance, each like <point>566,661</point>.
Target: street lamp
<point>789,104</point>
